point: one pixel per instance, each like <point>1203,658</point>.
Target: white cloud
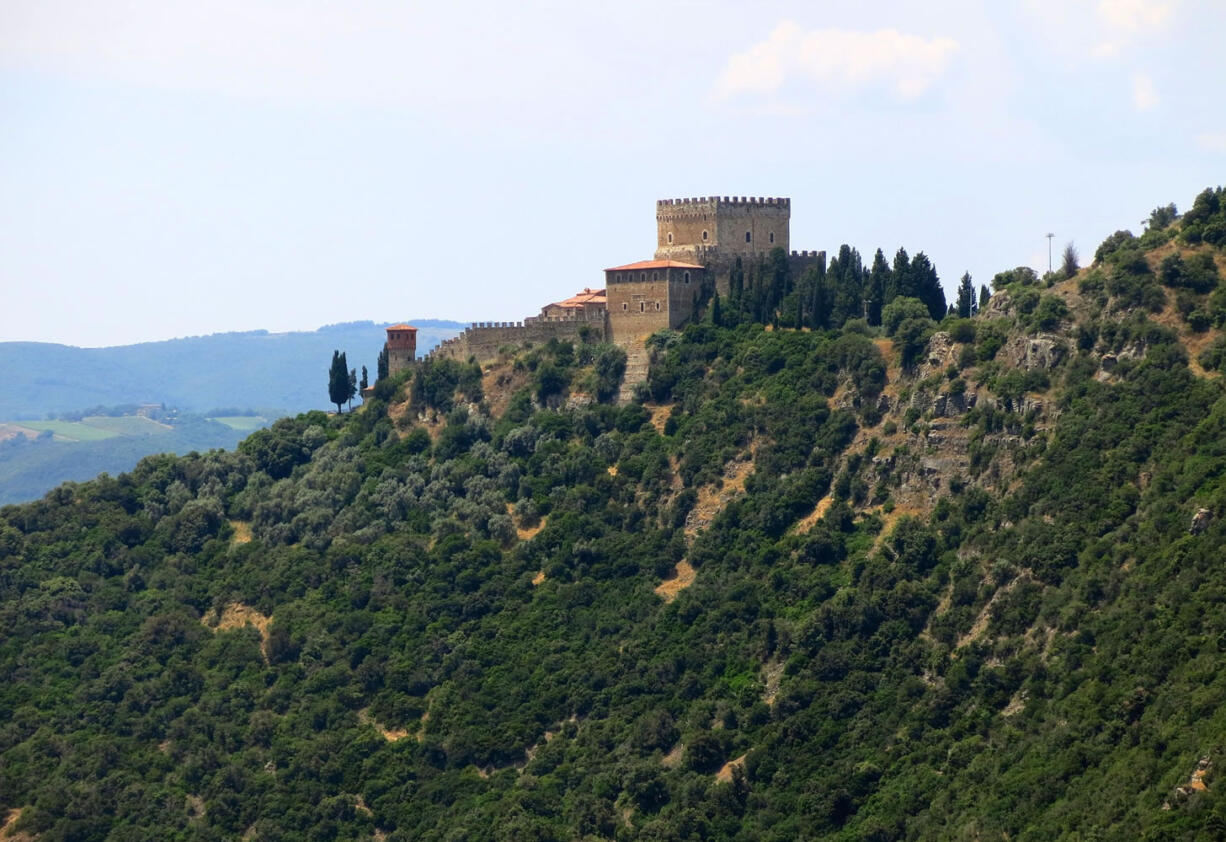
<point>1212,141</point>
<point>836,61</point>
<point>1144,94</point>
<point>1126,21</point>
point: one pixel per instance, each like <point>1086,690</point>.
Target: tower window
<point>670,238</point>
<point>704,236</point>
<point>772,237</point>
<point>687,277</point>
<point>642,306</point>
<point>655,276</point>
<point>657,305</point>
<point>642,276</point>
<point>748,237</point>
<point>625,306</point>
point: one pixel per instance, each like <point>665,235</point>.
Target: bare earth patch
<point>530,532</point>
<point>235,616</point>
<point>612,470</point>
<point>389,734</point>
<point>724,775</point>
<point>810,520</point>
<point>772,675</point>
<point>985,616</point>
<point>713,498</point>
<point>683,576</point>
<point>538,578</point>
<point>890,520</point>
<point>7,834</point>
<point>673,759</point>
<point>659,415</point>
<point>242,532</point>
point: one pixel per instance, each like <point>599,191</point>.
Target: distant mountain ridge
<point>287,371</point>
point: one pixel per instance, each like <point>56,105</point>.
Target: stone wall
<point>681,223</point>
<point>485,340</point>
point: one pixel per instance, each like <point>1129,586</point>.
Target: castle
<point>698,242</point>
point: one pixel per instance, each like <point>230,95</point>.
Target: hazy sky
<point>172,168</point>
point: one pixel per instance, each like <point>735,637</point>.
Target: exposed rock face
<point>999,305</point>
<point>952,405</point>
<point>941,354</point>
<point>1200,521</point>
<point>1043,350</point>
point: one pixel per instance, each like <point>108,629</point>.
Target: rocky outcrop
<point>1042,351</point>
<point>1200,521</point>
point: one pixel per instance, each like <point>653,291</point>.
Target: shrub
<point>899,310</point>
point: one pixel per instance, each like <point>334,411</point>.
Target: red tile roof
<point>654,264</point>
<point>403,327</point>
<point>588,296</point>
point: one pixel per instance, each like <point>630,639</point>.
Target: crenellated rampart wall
<point>487,340</point>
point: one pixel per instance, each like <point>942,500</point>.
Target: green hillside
<point>828,579</point>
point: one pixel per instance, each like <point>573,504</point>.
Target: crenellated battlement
<point>731,201</point>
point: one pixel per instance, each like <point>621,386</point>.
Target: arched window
<point>748,237</point>
<point>642,276</point>
<point>657,305</point>
<point>704,236</point>
<point>625,306</point>
<point>670,238</point>
<point>655,276</point>
<point>642,306</point>
<point>687,277</point>
<point>772,237</point>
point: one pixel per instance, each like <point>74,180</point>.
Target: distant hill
<point>254,369</point>
<point>80,450</point>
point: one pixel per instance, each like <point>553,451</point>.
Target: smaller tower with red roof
<point>401,347</point>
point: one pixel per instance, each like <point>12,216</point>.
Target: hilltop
<point>819,579</point>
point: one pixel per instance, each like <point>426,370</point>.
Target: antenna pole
<point>1049,236</point>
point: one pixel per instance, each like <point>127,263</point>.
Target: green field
<point>242,423</point>
<point>126,425</point>
<point>71,430</point>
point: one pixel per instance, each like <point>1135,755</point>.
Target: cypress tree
<point>966,296</point>
<point>338,380</point>
<point>879,283</point>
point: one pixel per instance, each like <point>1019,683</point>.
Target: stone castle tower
<point>401,347</point>
<point>715,230</point>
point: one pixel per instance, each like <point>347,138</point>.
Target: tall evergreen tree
<point>338,380</point>
<point>985,295</point>
<point>966,296</point>
<point>814,284</point>
<point>351,386</point>
<point>900,278</point>
<point>876,288</point>
<point>928,285</point>
<point>365,379</point>
<point>381,365</point>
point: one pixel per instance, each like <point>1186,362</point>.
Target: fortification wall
<point>485,340</point>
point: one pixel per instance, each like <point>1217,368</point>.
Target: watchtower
<point>718,229</point>
<point>401,347</point>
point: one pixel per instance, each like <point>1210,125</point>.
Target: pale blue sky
<point>171,168</point>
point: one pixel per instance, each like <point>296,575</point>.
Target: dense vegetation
<point>463,639</point>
